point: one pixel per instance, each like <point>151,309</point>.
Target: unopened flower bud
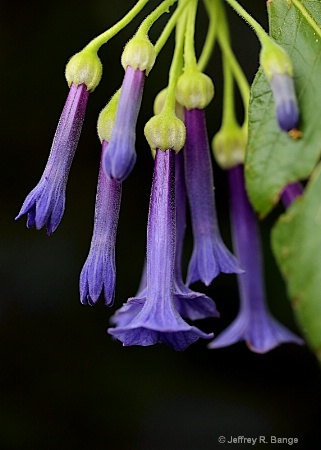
<point>139,53</point>
<point>165,131</point>
<point>229,146</point>
<point>107,117</point>
<point>194,90</point>
<point>84,67</point>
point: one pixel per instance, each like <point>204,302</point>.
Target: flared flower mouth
<point>155,318</point>
<point>254,323</point>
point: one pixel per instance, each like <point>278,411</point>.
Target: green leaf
<point>296,241</point>
<point>274,159</point>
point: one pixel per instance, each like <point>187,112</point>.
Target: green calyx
<point>194,89</point>
<point>274,59</point>
<point>107,117</point>
<point>229,146</point>
<point>139,53</point>
<point>84,67</point>
<point>165,131</point>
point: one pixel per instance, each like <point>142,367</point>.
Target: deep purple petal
<point>291,192</point>
<point>210,256</point>
<point>45,203</point>
<point>120,155</point>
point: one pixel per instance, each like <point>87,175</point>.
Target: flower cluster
<point>165,305</point>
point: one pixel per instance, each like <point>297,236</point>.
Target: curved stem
<point>176,65</point>
<point>151,19</point>
<point>161,41</point>
<point>189,48</point>
<point>210,36</point>
<point>98,41</point>
<point>260,32</point>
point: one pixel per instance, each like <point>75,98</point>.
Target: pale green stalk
<point>189,47</point>
<point>170,25</point>
<point>176,65</point>
<point>210,36</point>
<point>97,42</point>
<point>151,19</point>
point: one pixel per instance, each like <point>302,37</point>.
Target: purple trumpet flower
<point>290,193</point>
<point>46,202</point>
<point>189,304</point>
<point>287,111</point>
<point>158,319</point>
<point>254,323</point>
<point>120,156</point>
<point>210,256</point>
<point>99,271</point>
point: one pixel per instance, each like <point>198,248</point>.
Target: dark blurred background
<point>64,383</point>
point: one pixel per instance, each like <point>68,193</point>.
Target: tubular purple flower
<point>158,320</point>
<point>99,271</point>
<point>290,193</point>
<point>287,111</point>
<point>254,323</point>
<point>120,156</point>
<point>189,304</point>
<point>210,256</point>
<point>46,202</point>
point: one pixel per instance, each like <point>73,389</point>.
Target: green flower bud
<point>194,90</point>
<point>139,53</point>
<point>165,131</point>
<point>84,67</point>
<point>229,146</point>
<point>107,117</point>
<point>275,60</point>
<point>160,101</point>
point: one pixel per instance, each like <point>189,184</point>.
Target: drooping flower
<point>210,256</point>
<point>120,155</point>
<point>158,319</point>
<point>99,271</point>
<point>290,193</point>
<point>287,110</point>
<point>254,323</point>
<point>46,202</point>
<point>190,304</point>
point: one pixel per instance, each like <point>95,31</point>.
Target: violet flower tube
<point>210,256</point>
<point>46,202</point>
<point>120,156</point>
<point>189,304</point>
<point>291,192</point>
<point>99,271</point>
<point>254,323</point>
<point>158,320</point>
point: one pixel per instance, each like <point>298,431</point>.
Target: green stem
<point>229,57</point>
<point>176,65</point>
<point>98,41</point>
<point>151,19</point>
<point>189,47</point>
<point>210,36</point>
<point>260,32</point>
<point>161,41</point>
